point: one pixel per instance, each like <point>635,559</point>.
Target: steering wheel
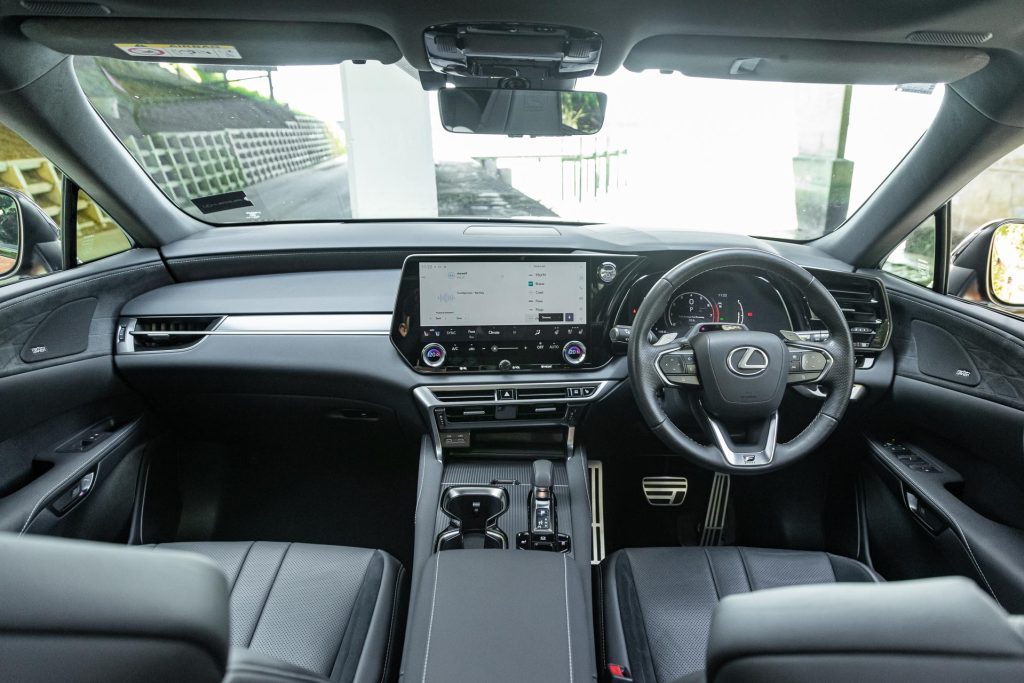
<point>737,377</point>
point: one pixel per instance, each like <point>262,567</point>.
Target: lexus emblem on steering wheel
<point>747,361</point>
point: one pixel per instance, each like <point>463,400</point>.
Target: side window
<point>914,258</point>
<point>96,233</point>
<point>26,170</point>
<point>995,195</point>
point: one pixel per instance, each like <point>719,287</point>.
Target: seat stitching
<point>392,629</point>
<point>241,568</point>
<point>430,627</point>
<point>568,628</point>
<point>746,569</point>
<point>266,598</point>
<point>714,580</point>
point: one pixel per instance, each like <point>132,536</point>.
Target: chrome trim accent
<point>746,458</point>
<point>595,486</point>
<point>312,324</point>
<point>857,391</point>
<point>748,365</point>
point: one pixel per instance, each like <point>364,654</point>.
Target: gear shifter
<point>543,525</point>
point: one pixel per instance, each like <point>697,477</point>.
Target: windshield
<point>364,141</point>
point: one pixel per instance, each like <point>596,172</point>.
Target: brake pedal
<point>665,491</point>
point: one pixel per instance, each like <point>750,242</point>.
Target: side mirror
<point>10,235</point>
<point>29,239</point>
<point>1005,275</point>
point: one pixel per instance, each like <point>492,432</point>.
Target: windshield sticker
<point>222,202</point>
<point>179,50</point>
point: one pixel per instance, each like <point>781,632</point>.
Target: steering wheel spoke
<point>758,452</point>
<point>809,362</point>
<point>677,367</point>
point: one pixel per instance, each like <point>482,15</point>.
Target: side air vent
<point>460,395</point>
<point>956,38</point>
<point>865,306</point>
<point>66,9</point>
<point>168,334</point>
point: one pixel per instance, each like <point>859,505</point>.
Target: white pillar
<point>390,154</point>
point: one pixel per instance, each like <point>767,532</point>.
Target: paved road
<point>317,193</point>
<point>321,193</point>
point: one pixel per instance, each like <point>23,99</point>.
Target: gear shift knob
<point>542,474</point>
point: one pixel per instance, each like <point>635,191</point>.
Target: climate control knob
<point>433,355</point>
<point>574,352</point>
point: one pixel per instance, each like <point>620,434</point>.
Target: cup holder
<point>473,512</point>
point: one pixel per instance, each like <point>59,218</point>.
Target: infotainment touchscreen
<point>502,295</point>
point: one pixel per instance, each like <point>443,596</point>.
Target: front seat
<point>325,609</point>
<point>202,612</point>
<point>658,602</point>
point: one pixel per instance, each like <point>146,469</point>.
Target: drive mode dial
<point>574,352</point>
<point>433,355</point>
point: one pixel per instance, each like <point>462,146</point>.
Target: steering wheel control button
<point>671,364</point>
<point>574,352</point>
<point>813,361</point>
<point>433,355</point>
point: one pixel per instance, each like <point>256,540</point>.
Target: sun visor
<point>214,42</point>
<point>804,61</point>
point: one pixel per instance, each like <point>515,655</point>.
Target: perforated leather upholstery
<point>326,609</point>
<point>658,602</point>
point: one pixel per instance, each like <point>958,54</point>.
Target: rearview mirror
<point>1006,264</point>
<point>521,112</point>
<point>10,235</point>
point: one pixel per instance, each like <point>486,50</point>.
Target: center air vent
<point>164,333</point>
<point>462,395</point>
<point>864,305</point>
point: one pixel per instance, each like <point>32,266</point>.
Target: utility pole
<point>821,172</point>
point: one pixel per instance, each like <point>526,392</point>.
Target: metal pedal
<point>595,489</point>
<point>665,491</point>
<point>718,506</point>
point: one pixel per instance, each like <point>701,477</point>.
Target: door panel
<point>948,446</point>
<point>65,414</point>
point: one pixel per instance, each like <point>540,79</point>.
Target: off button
<point>574,352</point>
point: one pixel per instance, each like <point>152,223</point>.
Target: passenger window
<point>995,195</point>
<point>24,169</point>
<point>96,233</point>
<point>914,258</point>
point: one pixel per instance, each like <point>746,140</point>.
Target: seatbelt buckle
<point>618,674</point>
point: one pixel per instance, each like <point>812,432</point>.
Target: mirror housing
<point>1005,267</point>
<point>493,111</point>
<point>29,240</point>
<point>10,235</point>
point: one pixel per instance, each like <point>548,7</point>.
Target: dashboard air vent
<point>469,413</point>
<point>171,333</point>
<point>541,393</point>
<point>865,306</point>
<point>462,395</point>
